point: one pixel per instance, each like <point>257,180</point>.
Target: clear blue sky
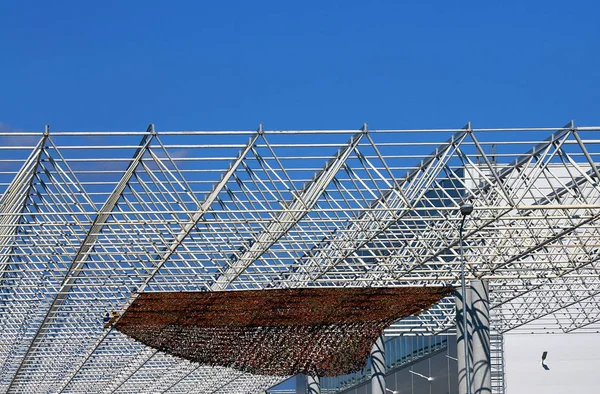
<point>119,65</point>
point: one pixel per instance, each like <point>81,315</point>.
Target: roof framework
<point>90,219</point>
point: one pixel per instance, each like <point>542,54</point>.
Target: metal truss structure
<point>89,220</point>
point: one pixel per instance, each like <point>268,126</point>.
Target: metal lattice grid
<point>87,220</point>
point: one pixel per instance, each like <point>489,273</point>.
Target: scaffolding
<point>90,219</point>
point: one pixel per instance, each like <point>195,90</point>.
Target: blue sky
<point>116,65</point>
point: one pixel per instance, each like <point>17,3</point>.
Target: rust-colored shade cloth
<point>314,331</point>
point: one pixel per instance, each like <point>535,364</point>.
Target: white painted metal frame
<point>90,219</point>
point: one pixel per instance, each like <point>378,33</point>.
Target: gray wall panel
<point>573,361</point>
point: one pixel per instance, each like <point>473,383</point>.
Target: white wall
<point>573,359</point>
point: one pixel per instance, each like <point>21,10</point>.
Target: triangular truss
<point>90,220</point>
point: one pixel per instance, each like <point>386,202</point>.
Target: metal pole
<point>378,367</point>
<point>480,323</point>
<point>464,305</point>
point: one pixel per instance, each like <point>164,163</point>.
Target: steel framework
<point>90,219</point>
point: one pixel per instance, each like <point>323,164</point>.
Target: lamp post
<point>465,210</point>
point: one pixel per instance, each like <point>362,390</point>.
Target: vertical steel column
<point>479,318</point>
<point>465,210</point>
<point>461,337</point>
<point>378,367</point>
<point>314,384</point>
<point>477,337</point>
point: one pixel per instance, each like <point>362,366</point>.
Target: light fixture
<point>428,378</point>
<point>466,209</point>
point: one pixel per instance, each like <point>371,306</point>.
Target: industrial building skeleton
<point>89,219</point>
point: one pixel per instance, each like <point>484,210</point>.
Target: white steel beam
<point>176,242</point>
<point>385,217</point>
<point>14,200</point>
<point>288,217</point>
<point>199,214</point>
<point>80,258</point>
<point>395,204</point>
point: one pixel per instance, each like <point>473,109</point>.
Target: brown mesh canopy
<point>324,332</point>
